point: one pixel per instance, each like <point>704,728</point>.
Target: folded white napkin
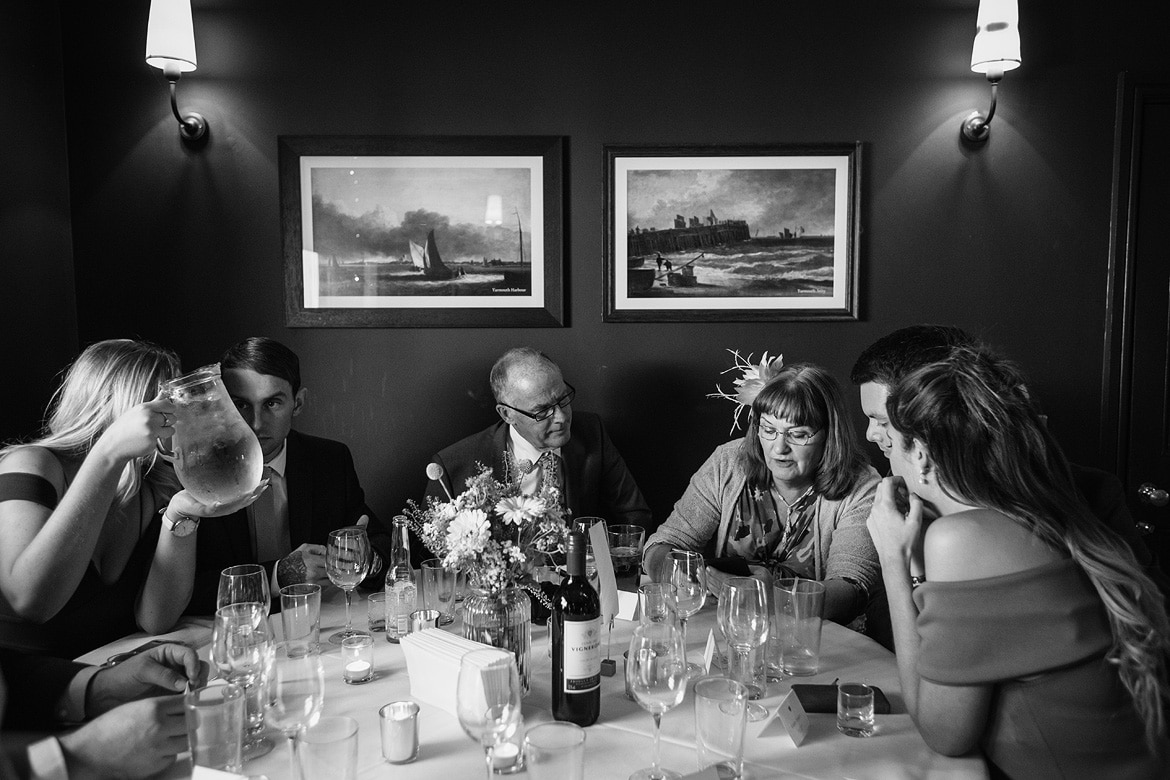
<point>433,657</point>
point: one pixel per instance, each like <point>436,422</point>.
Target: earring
<point>922,479</point>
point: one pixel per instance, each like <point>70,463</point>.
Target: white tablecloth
<point>621,741</point>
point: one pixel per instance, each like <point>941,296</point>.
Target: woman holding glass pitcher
<point>96,536</point>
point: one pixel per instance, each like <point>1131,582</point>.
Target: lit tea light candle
<point>357,653</point>
<point>505,755</point>
<point>358,671</point>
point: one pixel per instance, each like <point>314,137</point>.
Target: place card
<point>792,718</point>
<point>607,589</point>
<point>709,652</point>
<point>629,606</point>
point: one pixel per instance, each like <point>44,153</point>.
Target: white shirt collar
<point>522,449</point>
<point>280,462</point>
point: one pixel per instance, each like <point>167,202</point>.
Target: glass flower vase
<point>501,620</point>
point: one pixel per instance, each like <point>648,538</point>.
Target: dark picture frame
<point>422,231</point>
<point>709,233</point>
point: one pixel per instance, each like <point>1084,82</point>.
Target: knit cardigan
<point>842,546</point>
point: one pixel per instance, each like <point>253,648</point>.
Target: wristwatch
<point>184,526</point>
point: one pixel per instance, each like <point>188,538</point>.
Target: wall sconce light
<point>996,50</point>
<point>170,46</point>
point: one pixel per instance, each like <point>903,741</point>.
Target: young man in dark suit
<point>540,440</point>
<point>313,487</point>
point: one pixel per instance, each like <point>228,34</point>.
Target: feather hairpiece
<point>752,379</point>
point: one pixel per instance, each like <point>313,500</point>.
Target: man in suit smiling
<point>313,487</point>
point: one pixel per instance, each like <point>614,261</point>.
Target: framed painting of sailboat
<point>732,233</point>
<point>422,231</point>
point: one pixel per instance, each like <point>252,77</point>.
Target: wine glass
<point>244,583</point>
<point>347,562</point>
<point>688,591</point>
<point>743,617</point>
<point>656,674</point>
<point>294,684</point>
<point>487,697</point>
<point>239,645</point>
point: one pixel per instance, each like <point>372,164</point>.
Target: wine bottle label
<point>582,646</point>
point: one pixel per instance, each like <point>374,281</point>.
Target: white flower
<point>468,531</point>
<point>520,509</point>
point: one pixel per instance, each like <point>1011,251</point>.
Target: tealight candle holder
<point>399,721</point>
<point>422,619</point>
<point>357,658</point>
<point>508,755</point>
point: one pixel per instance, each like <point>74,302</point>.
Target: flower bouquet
<point>491,530</point>
<point>495,534</point>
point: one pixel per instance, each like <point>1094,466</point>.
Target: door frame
<point>1133,94</point>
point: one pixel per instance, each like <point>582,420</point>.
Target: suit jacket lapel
<point>499,455</point>
<point>299,483</point>
<point>573,454</point>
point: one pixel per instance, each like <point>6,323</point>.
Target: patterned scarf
<point>768,532</point>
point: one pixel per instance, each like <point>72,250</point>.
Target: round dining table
<point>622,739</point>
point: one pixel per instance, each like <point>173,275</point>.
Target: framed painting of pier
<point>422,231</point>
<point>731,233</point>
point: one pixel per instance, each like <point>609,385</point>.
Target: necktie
<point>272,540</point>
<point>550,474</point>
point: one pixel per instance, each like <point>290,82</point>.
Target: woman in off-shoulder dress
<point>1022,624</point>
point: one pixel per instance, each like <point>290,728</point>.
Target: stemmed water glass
<point>743,618</point>
<point>487,697</point>
<point>294,684</point>
<point>688,592</point>
<point>243,583</point>
<point>239,646</point>
<point>656,674</point>
<point>347,562</point>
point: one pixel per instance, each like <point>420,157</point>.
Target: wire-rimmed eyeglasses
<point>797,437</point>
<point>540,415</point>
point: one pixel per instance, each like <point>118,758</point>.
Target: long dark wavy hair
<point>806,394</point>
<point>990,448</point>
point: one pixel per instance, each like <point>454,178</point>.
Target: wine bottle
<point>576,642</point>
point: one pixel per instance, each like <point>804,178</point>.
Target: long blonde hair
<point>973,413</point>
<point>107,379</point>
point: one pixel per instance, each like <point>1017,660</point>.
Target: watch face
<point>185,526</point>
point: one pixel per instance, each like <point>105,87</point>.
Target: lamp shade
<point>997,37</point>
<point>170,35</point>
<point>494,214</point>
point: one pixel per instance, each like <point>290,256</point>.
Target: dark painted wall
<point>38,313</point>
<point>1010,241</point>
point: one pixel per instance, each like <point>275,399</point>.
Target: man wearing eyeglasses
<point>540,442</point>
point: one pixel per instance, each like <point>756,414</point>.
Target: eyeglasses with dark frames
<point>795,437</point>
<point>540,415</point>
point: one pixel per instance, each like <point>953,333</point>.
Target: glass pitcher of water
<point>216,455</point>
